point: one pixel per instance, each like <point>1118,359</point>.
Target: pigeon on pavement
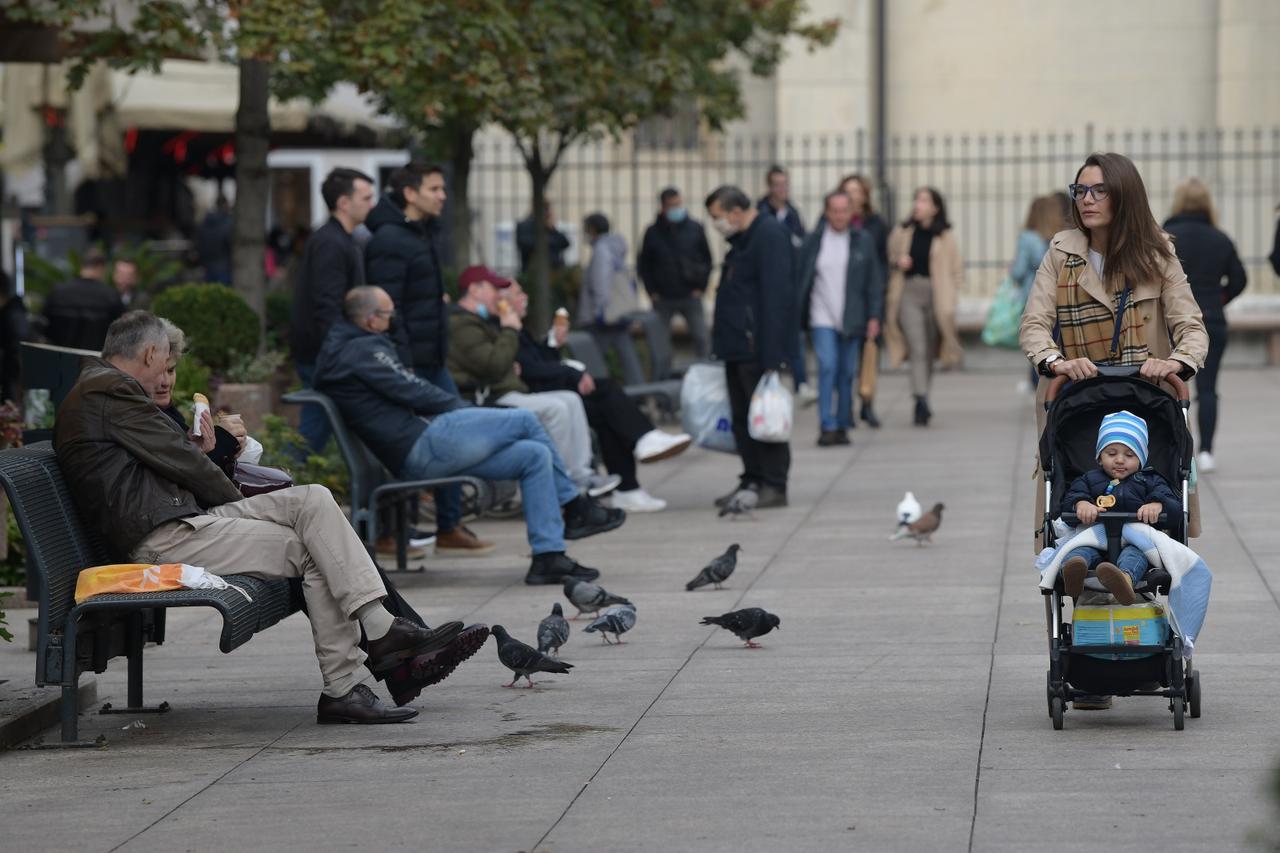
<point>524,659</point>
<point>742,503</point>
<point>909,509</point>
<point>617,620</point>
<point>589,597</point>
<point>553,631</point>
<point>922,529</point>
<point>718,570</point>
<point>747,624</point>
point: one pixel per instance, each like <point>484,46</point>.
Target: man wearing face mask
<point>675,264</point>
<point>755,323</point>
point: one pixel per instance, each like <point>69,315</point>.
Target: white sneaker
<point>656,445</point>
<point>1204,462</point>
<point>599,485</point>
<point>638,500</point>
<point>805,395</point>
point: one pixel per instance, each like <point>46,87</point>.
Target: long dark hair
<point>940,221</point>
<point>1136,246</point>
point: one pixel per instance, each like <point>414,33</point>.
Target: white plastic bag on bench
<point>704,407</point>
<point>769,417</point>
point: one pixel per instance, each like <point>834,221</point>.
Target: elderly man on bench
<point>156,498</point>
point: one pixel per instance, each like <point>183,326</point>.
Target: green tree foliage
<point>220,326</point>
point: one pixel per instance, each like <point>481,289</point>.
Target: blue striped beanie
<point>1124,428</point>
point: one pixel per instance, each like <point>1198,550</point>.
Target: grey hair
<point>360,302</point>
<point>177,339</point>
<point>130,335</point>
<point>729,198</point>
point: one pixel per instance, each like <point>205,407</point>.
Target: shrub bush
<point>220,326</point>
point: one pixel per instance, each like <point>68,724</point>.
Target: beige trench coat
<point>946,272</point>
<point>1167,308</point>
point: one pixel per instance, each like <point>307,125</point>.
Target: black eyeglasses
<point>1098,191</point>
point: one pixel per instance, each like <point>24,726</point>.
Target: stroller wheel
<point>1193,692</point>
<point>1178,704</point>
<point>1056,709</point>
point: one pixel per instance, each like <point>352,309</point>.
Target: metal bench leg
<point>133,646</point>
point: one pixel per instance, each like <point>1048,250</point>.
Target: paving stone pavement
<point>899,707</point>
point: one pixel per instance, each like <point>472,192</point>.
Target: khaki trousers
<point>920,328</point>
<point>298,532</point>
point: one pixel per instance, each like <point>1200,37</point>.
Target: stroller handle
<point>1180,390</point>
<point>1116,518</point>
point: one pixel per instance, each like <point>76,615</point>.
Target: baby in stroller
<point>1122,482</point>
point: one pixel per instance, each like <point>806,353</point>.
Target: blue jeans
<point>499,444</point>
<point>313,424</point>
<point>1131,560</point>
<point>837,367</point>
<point>449,499</point>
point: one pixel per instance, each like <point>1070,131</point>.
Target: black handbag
<point>259,479</point>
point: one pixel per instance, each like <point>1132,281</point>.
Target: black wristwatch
<point>1045,368</point>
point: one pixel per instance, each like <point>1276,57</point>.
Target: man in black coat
<point>331,265</point>
<point>79,310</point>
<point>527,235</point>
<point>675,264</point>
<point>755,324</point>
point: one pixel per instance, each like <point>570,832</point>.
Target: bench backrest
<point>367,472</point>
<point>582,345</point>
<point>58,544</point>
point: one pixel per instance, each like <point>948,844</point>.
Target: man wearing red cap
<point>484,336</point>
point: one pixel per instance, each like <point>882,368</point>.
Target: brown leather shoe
<point>361,705</point>
<point>1117,582</point>
<point>461,542</point>
<point>409,679</point>
<point>386,547</point>
<point>406,640</point>
<point>1074,572</point>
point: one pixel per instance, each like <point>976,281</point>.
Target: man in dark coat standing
<point>331,265</point>
<point>79,310</point>
<point>754,325</point>
<point>675,265</point>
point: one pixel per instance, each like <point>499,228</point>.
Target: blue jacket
<point>380,399</point>
<point>1141,488</point>
<point>755,303</point>
<point>1026,260</point>
<point>864,281</point>
<point>401,259</point>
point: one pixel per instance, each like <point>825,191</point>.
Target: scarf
<point>1087,326</point>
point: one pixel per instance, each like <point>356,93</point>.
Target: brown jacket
<point>130,468</point>
<point>1167,308</point>
<point>946,272</point>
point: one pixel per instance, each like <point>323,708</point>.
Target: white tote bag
<point>769,418</point>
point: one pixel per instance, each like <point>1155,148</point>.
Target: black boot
<point>922,412</point>
<point>868,414</point>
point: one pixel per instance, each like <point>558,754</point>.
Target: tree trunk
<point>253,137</point>
<point>461,153</point>
<point>540,306</point>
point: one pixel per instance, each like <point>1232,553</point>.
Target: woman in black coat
<point>865,218</point>
<point>1212,266</point>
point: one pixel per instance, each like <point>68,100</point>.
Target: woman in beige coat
<point>924,285</point>
<point>1115,253</point>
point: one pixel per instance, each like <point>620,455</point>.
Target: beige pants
<point>920,328</point>
<point>293,533</point>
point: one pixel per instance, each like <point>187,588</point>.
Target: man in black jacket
<point>331,265</point>
<point>79,310</point>
<point>675,265</point>
<point>754,327</point>
<point>423,432</point>
<point>156,498</point>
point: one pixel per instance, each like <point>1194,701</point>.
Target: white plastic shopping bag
<point>769,418</point>
<point>704,407</point>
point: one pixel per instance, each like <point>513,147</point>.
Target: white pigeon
<point>909,509</point>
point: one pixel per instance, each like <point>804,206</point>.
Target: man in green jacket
<point>484,335</point>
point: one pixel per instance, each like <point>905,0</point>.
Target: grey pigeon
<point>617,620</point>
<point>553,631</point>
<point>742,503</point>
<point>523,659</point>
<point>747,624</point>
<point>718,570</point>
<point>922,528</point>
<point>589,597</point>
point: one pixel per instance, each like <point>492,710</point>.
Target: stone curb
<point>25,711</point>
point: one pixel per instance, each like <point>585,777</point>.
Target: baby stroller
<point>1067,451</point>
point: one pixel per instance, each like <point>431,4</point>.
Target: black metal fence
<point>988,181</point>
